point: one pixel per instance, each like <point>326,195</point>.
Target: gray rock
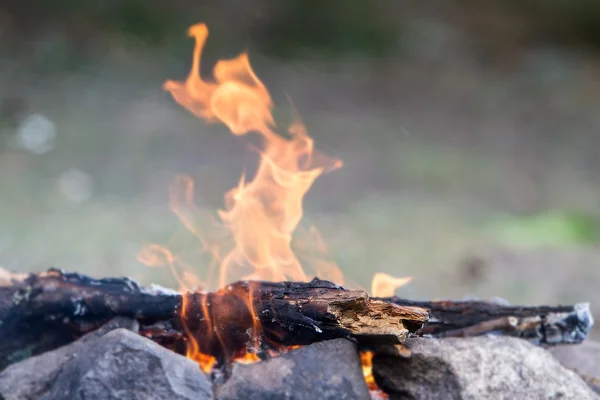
<point>124,365</point>
<point>477,368</point>
<point>32,378</point>
<point>326,370</point>
<point>582,358</point>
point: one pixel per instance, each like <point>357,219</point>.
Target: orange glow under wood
<point>248,358</point>
<point>366,359</point>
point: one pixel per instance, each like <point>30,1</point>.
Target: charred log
<point>39,312</point>
<point>541,325</point>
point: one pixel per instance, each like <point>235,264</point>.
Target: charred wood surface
<point>39,312</point>
<point>542,325</point>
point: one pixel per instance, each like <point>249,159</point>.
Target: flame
<point>384,285</point>
<point>366,359</point>
<point>261,214</point>
<point>248,358</point>
<point>253,233</point>
<point>251,238</point>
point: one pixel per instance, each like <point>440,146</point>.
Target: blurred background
<point>469,130</point>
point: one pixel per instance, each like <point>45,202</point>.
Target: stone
<point>325,370</point>
<point>125,365</point>
<point>476,368</point>
<point>32,378</point>
<point>582,358</point>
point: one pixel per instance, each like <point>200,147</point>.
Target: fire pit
<point>259,339</point>
<point>256,326</point>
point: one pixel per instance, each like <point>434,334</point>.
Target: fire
<point>252,236</point>
<point>248,358</point>
<point>366,359</point>
<point>261,214</point>
<point>384,285</point>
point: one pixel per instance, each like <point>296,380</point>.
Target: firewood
<point>541,325</point>
<point>39,312</point>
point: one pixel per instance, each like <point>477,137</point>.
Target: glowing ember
<point>248,358</point>
<point>366,359</point>
<point>261,214</point>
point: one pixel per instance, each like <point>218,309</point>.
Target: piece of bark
<point>39,312</point>
<point>328,370</point>
<point>476,368</point>
<point>541,325</point>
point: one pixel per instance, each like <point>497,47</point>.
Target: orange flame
<point>262,214</point>
<point>366,359</point>
<point>384,285</point>
<point>253,234</point>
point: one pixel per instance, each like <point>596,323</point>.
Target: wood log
<point>39,312</point>
<point>542,325</point>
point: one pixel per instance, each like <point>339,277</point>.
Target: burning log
<point>39,312</point>
<point>542,325</point>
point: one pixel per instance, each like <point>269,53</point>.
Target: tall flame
<point>261,214</point>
